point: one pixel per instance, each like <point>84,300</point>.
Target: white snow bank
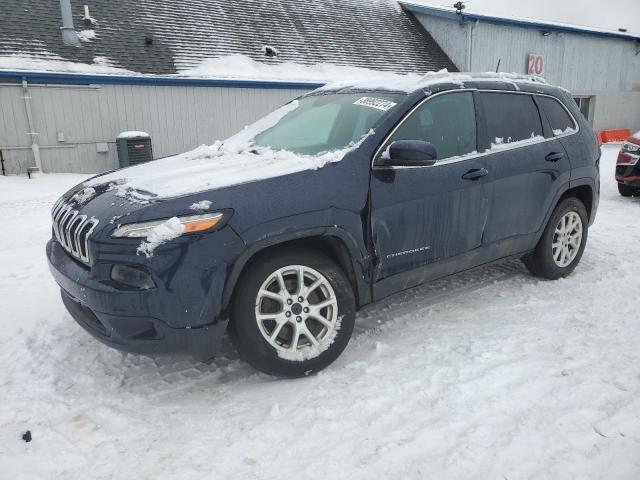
<point>86,35</point>
<point>219,165</point>
<point>237,67</point>
<point>242,67</point>
<point>133,134</point>
<point>637,135</point>
<point>160,234</point>
<point>101,65</point>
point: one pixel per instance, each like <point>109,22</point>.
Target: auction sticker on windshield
<point>379,103</point>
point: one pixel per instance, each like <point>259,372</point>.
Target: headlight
<point>189,224</point>
<point>630,147</point>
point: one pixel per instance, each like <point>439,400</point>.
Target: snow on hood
<point>222,164</point>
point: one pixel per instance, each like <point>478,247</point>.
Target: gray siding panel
<point>576,62</point>
<point>177,118</point>
<point>606,68</point>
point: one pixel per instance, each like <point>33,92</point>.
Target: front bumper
<point>181,316</point>
<point>145,335</point>
<point>628,169</point>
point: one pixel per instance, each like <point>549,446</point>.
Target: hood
<point>215,177</point>
<point>206,168</point>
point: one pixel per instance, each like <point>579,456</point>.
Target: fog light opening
<point>132,277</point>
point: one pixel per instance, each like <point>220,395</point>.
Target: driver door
<point>425,219</point>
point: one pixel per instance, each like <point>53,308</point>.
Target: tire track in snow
<point>166,375</point>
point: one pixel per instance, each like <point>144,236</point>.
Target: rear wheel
<point>293,313</point>
<point>626,190</point>
<point>562,243</point>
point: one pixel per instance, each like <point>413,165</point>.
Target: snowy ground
<point>490,374</point>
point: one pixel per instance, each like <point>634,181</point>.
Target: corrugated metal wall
<point>606,68</point>
<point>177,118</point>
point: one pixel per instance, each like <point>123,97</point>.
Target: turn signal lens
<point>193,226</point>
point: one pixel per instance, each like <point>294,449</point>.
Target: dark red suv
<point>628,166</point>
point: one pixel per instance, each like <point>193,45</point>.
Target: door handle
<point>475,174</point>
<point>554,156</point>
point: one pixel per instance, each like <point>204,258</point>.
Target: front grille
<point>72,230</point>
<point>627,170</point>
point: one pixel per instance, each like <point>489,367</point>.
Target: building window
<point>584,104</point>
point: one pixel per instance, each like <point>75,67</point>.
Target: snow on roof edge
<point>241,71</point>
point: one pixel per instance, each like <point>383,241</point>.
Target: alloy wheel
<point>567,239</point>
<point>297,311</point>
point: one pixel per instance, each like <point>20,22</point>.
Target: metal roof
<point>163,37</point>
<point>452,15</point>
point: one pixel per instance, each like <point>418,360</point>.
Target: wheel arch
<point>582,191</point>
<point>335,242</point>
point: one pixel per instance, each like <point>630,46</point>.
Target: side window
<point>509,117</point>
<point>561,122</point>
<point>447,121</point>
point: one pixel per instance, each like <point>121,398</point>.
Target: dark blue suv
<point>351,193</point>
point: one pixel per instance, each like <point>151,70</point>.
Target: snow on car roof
<point>413,82</point>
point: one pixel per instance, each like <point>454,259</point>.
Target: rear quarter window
<point>561,122</point>
<point>509,117</point>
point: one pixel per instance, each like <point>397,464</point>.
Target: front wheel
<point>626,190</point>
<point>293,313</point>
<point>562,243</point>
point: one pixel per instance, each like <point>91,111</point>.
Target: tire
<point>553,261</point>
<point>281,355</point>
<point>626,190</point>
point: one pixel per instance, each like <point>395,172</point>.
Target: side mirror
<point>411,153</point>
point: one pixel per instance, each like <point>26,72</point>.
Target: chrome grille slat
<point>56,218</point>
<point>72,230</point>
<point>76,235</point>
<point>67,224</point>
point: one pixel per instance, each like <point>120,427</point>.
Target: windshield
<point>322,123</point>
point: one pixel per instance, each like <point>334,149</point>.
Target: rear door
<point>528,165</point>
<point>426,215</point>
